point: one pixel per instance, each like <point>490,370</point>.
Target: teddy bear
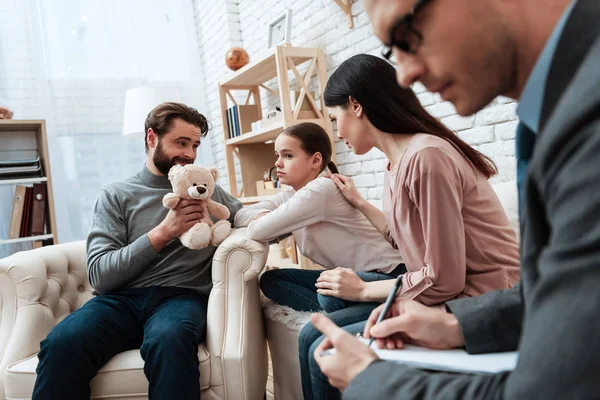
<point>195,182</point>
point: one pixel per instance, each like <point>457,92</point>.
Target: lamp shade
<point>140,101</point>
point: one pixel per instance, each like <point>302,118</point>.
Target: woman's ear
<point>356,107</point>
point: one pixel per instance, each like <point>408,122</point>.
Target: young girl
<point>439,208</point>
<point>328,230</point>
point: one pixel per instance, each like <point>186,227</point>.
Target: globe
<point>236,58</point>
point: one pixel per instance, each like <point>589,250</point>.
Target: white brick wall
<point>320,23</point>
<point>217,27</point>
<point>16,61</point>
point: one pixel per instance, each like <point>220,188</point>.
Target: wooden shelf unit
<point>30,135</point>
<point>27,239</point>
<point>262,136</point>
<point>23,181</point>
<point>255,149</point>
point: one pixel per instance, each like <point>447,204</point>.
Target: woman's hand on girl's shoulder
<point>348,189</point>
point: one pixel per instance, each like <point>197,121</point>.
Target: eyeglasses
<point>403,35</point>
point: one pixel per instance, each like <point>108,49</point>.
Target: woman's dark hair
<point>371,81</point>
<point>313,138</point>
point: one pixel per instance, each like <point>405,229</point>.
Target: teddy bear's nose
<point>201,189</point>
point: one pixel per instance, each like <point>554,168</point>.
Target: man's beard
<point>163,163</point>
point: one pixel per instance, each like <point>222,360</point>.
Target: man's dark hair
<point>161,118</point>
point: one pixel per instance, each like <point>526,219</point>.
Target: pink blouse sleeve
<point>435,185</point>
<point>388,236</point>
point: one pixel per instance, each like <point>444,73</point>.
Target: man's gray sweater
<point>119,253</point>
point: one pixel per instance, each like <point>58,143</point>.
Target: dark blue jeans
<point>296,289</point>
<point>166,323</point>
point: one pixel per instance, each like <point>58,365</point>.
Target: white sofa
<point>39,288</point>
<point>284,324</point>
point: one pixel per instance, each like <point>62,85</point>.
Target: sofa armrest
<point>235,336</point>
<point>38,288</point>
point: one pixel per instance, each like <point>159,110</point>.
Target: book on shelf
<point>240,119</point>
<point>233,127</point>
<point>34,211</point>
<point>39,205</point>
<point>13,158</point>
<point>20,164</point>
<point>229,123</point>
<point>24,231</point>
<point>17,212</point>
<point>236,120</point>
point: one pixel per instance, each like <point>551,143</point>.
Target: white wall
<point>320,23</point>
<point>74,71</point>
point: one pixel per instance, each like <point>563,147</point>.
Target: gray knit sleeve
<point>112,262</point>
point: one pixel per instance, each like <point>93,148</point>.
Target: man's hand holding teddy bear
<point>193,182</point>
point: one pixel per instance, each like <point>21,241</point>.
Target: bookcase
<point>254,148</point>
<point>28,137</point>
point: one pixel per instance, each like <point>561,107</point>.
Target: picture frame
<point>279,30</point>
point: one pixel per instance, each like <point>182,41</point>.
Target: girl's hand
<point>348,189</point>
<point>260,215</point>
<point>342,283</point>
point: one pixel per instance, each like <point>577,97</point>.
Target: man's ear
<point>215,173</point>
<point>356,107</point>
<point>152,139</point>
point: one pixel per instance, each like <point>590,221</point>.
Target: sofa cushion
<point>283,325</point>
<point>121,377</point>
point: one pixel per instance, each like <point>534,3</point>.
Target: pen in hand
<point>386,308</point>
<point>388,303</point>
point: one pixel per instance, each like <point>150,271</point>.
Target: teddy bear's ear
<point>174,170</point>
<point>214,172</point>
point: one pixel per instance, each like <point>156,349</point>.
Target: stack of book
<point>16,164</point>
<point>29,211</point>
<point>240,119</point>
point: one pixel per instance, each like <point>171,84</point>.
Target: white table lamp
<point>140,101</point>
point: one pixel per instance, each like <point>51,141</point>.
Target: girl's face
<point>295,167</point>
<point>353,127</point>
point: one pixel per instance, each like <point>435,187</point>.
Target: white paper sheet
<point>449,360</point>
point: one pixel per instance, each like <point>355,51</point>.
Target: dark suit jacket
<point>492,322</point>
<point>555,310</point>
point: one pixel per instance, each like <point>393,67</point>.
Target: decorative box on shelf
<point>267,188</point>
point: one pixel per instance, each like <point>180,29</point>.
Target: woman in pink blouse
<point>439,208</point>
